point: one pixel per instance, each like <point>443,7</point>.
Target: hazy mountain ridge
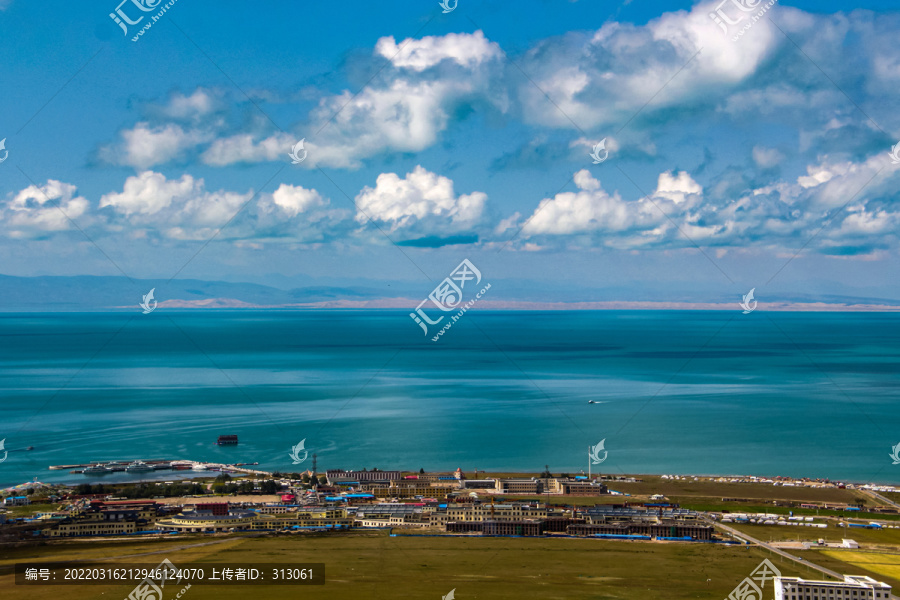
<point>102,293</point>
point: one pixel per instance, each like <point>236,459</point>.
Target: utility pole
<point>314,464</point>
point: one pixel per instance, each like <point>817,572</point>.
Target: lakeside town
<point>233,500</point>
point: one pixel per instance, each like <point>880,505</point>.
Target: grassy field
<point>655,484</point>
<point>711,489</point>
<point>377,566</point>
<point>25,511</point>
<point>886,565</point>
<point>887,538</point>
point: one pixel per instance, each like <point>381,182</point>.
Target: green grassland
<point>27,511</point>
<point>376,566</point>
<point>877,537</point>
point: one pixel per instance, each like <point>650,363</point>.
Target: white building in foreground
<point>854,587</point>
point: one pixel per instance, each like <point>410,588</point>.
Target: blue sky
<point>434,137</point>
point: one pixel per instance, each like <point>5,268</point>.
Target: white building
<point>854,587</point>
<point>16,501</point>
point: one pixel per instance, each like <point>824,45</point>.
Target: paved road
<point>778,551</point>
<point>880,498</point>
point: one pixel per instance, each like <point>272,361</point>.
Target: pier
<point>199,467</point>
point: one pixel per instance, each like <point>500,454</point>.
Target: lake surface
<point>802,394</point>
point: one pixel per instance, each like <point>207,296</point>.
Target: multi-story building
<point>519,486</point>
<point>90,527</point>
<point>494,512</point>
<point>439,478</point>
<point>580,488</point>
<point>411,490</point>
<point>106,518</point>
<point>216,508</point>
<point>242,520</point>
<point>338,475</point>
<point>614,513</point>
<point>479,484</point>
<point>274,509</point>
<point>672,529</point>
<point>854,587</point>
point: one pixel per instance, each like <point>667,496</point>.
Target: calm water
<point>683,392</point>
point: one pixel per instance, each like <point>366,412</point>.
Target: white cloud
<point>144,146</point>
<point>422,203</point>
<point>243,148</point>
<point>297,214</point>
<point>834,183</point>
<point>467,50</point>
<point>45,208</point>
<point>200,103</point>
<point>293,200</point>
<point>180,209</point>
<point>604,79</point>
<point>766,158</point>
<point>403,110</point>
<point>677,188</point>
<point>590,209</point>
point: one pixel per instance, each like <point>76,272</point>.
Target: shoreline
<point>238,473</point>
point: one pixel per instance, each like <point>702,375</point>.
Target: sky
<point>733,153</point>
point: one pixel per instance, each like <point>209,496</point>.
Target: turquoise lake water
<point>802,394</point>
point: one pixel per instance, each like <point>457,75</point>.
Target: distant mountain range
<point>108,293</point>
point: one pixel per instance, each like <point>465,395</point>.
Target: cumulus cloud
<point>467,50</point>
<point>604,78</point>
<point>40,209</point>
<point>297,214</point>
<point>595,79</point>
<point>169,132</point>
<point>199,104</point>
<point>184,209</point>
<point>243,148</point>
<point>766,158</point>
<point>404,109</point>
<point>420,204</point>
<point>180,209</point>
<point>612,220</point>
<point>144,146</point>
<point>677,188</point>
